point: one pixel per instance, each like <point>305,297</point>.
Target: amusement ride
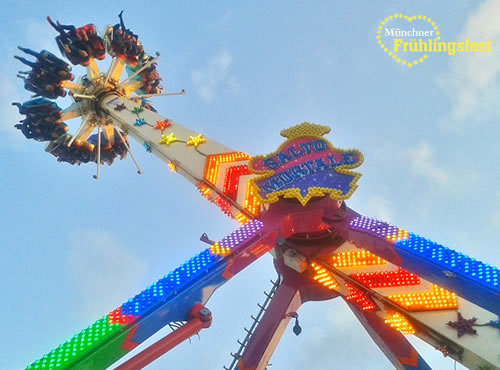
<point>290,203</point>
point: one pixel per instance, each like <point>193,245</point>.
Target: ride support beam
<point>473,280</point>
<point>193,155</point>
<point>296,289</point>
<point>201,318</point>
<point>268,333</point>
<point>392,343</point>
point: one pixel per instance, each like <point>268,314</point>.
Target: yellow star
<point>196,140</point>
<point>168,139</point>
<point>172,166</point>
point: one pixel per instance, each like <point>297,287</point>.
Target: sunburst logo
<point>305,166</point>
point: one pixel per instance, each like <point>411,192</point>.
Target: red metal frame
<point>200,318</point>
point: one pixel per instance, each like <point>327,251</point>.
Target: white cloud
<point>376,206</point>
<point>106,274</point>
<point>380,208</point>
<point>473,79</point>
<point>221,22</point>
<point>209,78</point>
<point>423,164</point>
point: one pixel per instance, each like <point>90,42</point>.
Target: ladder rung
<point>243,345</point>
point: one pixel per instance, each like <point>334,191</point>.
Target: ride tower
<point>290,203</point>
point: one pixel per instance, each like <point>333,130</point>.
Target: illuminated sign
<point>305,166</point>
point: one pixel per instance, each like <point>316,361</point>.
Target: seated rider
<point>79,44</point>
<point>46,74</point>
<point>125,43</point>
<point>42,120</point>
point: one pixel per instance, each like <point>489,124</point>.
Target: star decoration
<point>196,140</point>
<point>463,326</point>
<point>494,324</point>
<point>167,139</point>
<point>443,349</point>
<point>172,166</point>
<point>147,147</point>
<point>161,125</point>
<point>138,110</point>
<point>120,107</point>
<point>139,122</point>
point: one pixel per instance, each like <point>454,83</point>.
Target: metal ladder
<point>255,321</point>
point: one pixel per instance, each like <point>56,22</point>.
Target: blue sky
<point>430,137</point>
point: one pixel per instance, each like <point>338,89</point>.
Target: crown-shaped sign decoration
<point>305,166</point>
